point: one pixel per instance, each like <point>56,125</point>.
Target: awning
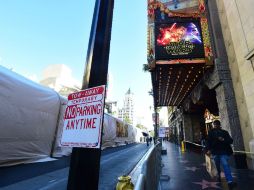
<point>172,83</point>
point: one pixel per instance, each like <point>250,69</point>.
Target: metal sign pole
<point>156,122</point>
<point>85,162</point>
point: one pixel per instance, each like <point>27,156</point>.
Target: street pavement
<point>180,171</point>
<point>54,175</point>
<point>187,171</point>
<point>121,163</point>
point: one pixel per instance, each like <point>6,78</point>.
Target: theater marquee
<point>179,40</point>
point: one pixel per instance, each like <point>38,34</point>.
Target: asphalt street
<point>118,164</point>
<point>54,174</point>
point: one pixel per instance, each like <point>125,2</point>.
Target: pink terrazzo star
<point>183,161</point>
<point>205,184</point>
<point>191,168</point>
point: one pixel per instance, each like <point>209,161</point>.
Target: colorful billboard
<point>179,40</point>
<point>178,33</point>
<point>121,129</point>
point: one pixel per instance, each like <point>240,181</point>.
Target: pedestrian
<point>147,141</point>
<point>202,141</point>
<point>219,147</point>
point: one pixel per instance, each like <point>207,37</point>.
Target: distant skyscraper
<point>127,112</point>
<point>59,77</point>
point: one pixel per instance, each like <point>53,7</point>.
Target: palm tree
<point>146,67</point>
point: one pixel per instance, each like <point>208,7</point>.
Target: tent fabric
<point>31,122</point>
<point>109,134</point>
<point>116,132</point>
<point>59,151</point>
<point>28,117</point>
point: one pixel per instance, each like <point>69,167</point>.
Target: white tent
<point>31,122</point>
<point>117,132</point>
<point>28,119</point>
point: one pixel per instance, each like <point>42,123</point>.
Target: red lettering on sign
<point>72,112</point>
<point>86,93</point>
<point>79,124</point>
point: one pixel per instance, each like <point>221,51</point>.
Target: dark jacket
<point>216,146</point>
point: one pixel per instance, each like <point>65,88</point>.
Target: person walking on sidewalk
<point>219,145</point>
<point>147,141</point>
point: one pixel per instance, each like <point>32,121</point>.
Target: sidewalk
<point>187,171</point>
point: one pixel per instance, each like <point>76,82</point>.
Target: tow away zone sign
<point>83,118</point>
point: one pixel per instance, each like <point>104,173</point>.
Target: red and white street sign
<point>83,118</point>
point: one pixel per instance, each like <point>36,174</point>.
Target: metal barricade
<point>151,170</point>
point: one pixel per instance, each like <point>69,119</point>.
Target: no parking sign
<point>83,118</point>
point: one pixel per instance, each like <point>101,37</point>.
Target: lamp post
<point>85,162</point>
<point>156,116</point>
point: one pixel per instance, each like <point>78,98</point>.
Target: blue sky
<point>37,33</point>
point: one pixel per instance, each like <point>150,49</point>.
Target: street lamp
<point>156,115</point>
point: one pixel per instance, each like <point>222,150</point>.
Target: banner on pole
<point>154,118</point>
<point>162,132</point>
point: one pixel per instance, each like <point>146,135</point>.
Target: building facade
<point>59,77</point>
<point>236,20</point>
<point>226,89</point>
<point>127,112</point>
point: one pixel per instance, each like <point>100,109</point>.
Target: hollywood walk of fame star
<point>191,168</point>
<point>222,173</point>
<point>183,161</point>
<point>205,184</point>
